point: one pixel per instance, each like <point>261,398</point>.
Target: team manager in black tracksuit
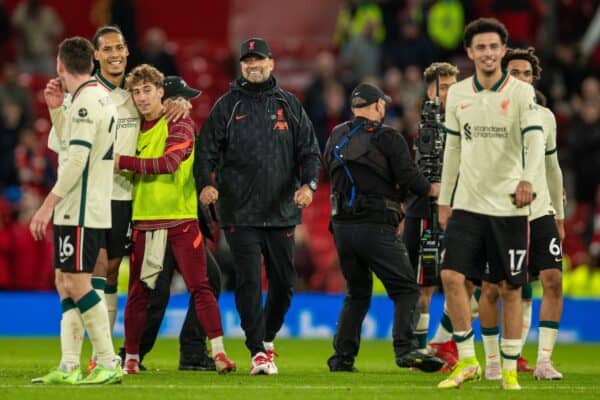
<point>262,147</point>
<point>371,170</point>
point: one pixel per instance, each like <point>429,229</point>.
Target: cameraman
<point>371,171</point>
<point>419,210</point>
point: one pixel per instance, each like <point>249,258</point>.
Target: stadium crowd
<point>384,42</point>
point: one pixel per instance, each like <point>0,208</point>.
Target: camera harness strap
<point>336,153</point>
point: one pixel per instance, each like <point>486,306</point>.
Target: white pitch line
<point>239,385</point>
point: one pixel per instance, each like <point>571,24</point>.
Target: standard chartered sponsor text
<point>127,122</point>
<point>492,132</point>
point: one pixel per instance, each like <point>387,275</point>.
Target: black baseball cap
<point>365,94</point>
<point>255,46</point>
<point>175,86</point>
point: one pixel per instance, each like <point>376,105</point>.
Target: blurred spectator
<point>353,18</point>
<point>325,99</point>
<point>411,48</point>
<point>590,88</point>
<point>584,148</point>
<point>361,55</point>
<point>590,91</point>
<point>445,25</point>
<point>392,86</point>
<point>34,167</point>
<point>12,120</point>
<point>10,89</point>
<point>413,88</point>
<point>563,73</point>
<point>155,52</point>
<point>37,28</point>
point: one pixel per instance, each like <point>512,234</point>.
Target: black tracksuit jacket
<point>262,147</point>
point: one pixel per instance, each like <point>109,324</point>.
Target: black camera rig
<point>430,141</point>
<point>430,152</point>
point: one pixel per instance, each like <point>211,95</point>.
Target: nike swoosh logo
<point>138,152</point>
<point>240,117</point>
<point>63,259</point>
<point>463,106</point>
<point>289,234</point>
<point>187,228</point>
<point>558,259</point>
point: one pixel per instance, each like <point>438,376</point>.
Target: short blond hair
<point>144,74</point>
<point>442,68</point>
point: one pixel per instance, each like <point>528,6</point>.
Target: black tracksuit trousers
<point>276,245</point>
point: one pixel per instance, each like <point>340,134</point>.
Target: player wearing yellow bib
<point>491,118</point>
<point>80,201</point>
<point>546,234</point>
<point>165,213</point>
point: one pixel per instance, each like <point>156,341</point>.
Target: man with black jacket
<point>371,170</point>
<point>262,147</point>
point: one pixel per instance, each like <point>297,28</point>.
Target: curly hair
<point>484,25</point>
<point>144,74</point>
<point>528,55</point>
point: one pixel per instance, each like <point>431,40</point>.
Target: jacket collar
<point>255,89</point>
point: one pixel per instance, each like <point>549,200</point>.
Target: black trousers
<point>276,245</point>
<point>192,338</point>
<point>365,248</point>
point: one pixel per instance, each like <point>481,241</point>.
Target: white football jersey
<point>89,121</point>
<point>486,130</point>
<point>127,125</point>
<point>128,128</point>
<point>543,204</point>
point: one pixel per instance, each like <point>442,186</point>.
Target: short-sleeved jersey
<point>542,205</point>
<point>491,125</point>
<point>89,121</point>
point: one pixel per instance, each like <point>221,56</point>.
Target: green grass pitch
<point>303,375</point>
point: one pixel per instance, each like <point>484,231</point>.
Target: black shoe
<point>122,355</point>
<point>197,362</point>
<point>418,360</point>
<point>339,363</point>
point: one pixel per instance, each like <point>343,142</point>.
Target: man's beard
<point>262,78</point>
